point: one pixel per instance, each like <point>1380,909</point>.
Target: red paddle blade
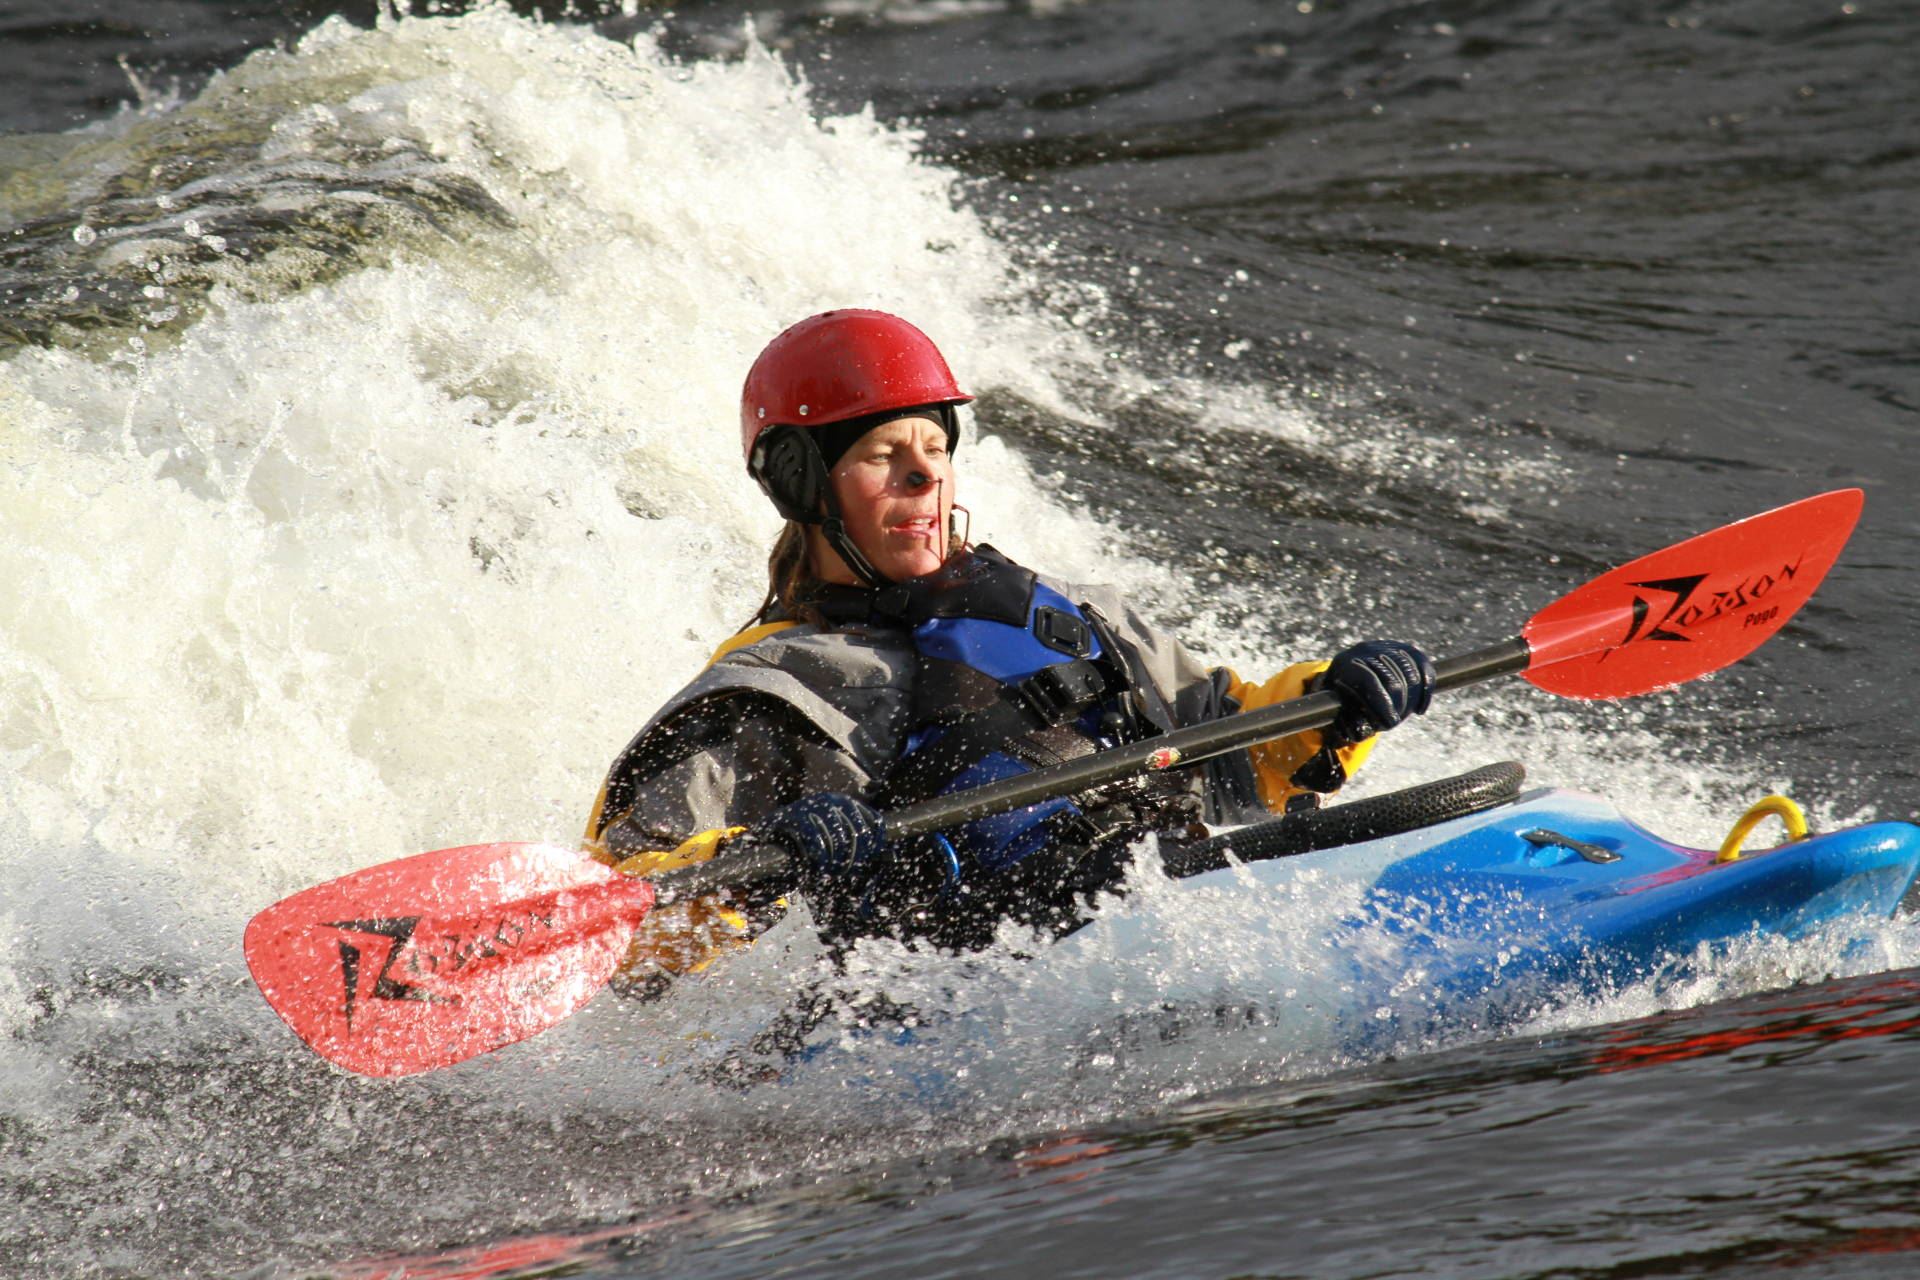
<point>430,960</point>
<point>1695,607</point>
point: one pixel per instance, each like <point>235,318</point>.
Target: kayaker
<point>892,661</point>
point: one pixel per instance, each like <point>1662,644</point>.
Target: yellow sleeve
<point>1275,762</point>
<point>595,839</point>
<point>681,937</point>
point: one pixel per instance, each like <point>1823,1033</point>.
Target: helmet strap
<point>834,529</point>
<point>786,463</point>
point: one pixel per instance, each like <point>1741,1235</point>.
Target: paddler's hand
<point>1379,683</point>
<point>838,842</point>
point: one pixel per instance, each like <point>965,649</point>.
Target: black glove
<point>838,842</point>
<point>1379,683</point>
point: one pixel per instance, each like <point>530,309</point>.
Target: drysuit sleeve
<point>677,794</point>
<point>726,761</point>
<point>1299,763</point>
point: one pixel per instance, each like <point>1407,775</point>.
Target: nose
<point>919,469</point>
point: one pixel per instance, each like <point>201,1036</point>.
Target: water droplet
<point>84,234</point>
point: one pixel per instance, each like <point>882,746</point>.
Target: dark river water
<point>365,382</point>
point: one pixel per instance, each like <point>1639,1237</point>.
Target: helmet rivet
<point>803,411</point>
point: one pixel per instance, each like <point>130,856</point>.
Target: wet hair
<point>788,574</point>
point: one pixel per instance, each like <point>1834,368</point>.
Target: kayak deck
<point>1561,885</point>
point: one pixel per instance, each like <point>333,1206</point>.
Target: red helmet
<point>840,365</point>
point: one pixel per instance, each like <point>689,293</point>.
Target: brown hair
<point>787,572</point>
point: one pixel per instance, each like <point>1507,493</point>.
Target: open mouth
<point>914,527</point>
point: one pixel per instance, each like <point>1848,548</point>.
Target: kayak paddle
<point>430,960</point>
<point>1659,621</point>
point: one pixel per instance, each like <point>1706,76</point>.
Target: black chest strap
<point>1047,699</point>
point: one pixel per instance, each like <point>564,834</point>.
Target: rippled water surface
<point>366,478</point>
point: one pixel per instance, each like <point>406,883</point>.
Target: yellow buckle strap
<point>1772,806</point>
<point>651,862</point>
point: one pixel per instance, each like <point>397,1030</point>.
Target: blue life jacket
<point>1051,674</point>
<point>1014,676</point>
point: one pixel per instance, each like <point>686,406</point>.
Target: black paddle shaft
<point>1191,745</point>
<point>754,863</point>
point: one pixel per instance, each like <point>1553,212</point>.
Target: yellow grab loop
<point>1772,806</point>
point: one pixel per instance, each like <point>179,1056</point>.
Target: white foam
<point>352,572</point>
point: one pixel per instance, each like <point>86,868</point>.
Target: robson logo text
<point>1688,608</point>
<point>453,952</point>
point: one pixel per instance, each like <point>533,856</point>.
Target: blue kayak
<point>1559,889</point>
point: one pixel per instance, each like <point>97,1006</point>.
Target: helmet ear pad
<point>789,469</point>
